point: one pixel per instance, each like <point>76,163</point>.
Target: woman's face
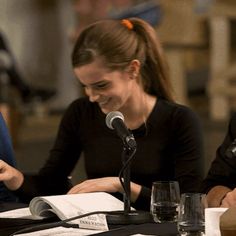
<point>112,90</point>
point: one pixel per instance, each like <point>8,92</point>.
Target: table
<point>164,229</point>
<point>8,226</point>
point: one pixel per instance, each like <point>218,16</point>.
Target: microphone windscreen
<point>111,116</point>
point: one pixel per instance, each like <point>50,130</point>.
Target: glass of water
<point>165,200</point>
<point>191,220</point>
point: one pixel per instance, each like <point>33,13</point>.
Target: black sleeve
<point>188,150</point>
<point>53,176</point>
<point>223,169</point>
<point>35,185</point>
<point>144,199</point>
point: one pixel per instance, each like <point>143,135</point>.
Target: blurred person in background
<point>89,11</point>
<point>8,66</point>
<point>220,183</point>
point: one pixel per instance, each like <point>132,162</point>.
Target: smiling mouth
<point>103,103</point>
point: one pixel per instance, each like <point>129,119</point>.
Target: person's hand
<point>106,184</point>
<point>229,199</point>
<point>11,177</point>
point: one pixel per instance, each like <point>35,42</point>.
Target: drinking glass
<point>165,201</point>
<point>191,220</point>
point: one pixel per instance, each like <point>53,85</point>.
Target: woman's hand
<point>11,177</point>
<point>106,184</point>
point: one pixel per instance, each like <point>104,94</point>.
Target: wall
<point>38,34</point>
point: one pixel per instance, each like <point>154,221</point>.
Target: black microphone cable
<point>59,223</point>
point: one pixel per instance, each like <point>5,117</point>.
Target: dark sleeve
<point>188,150</point>
<point>6,149</point>
<point>53,176</point>
<point>35,185</point>
<point>223,169</point>
<point>144,199</point>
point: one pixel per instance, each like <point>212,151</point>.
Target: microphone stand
<point>127,216</point>
<point>126,178</point>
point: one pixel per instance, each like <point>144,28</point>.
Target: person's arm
<point>53,177</point>
<point>187,149</point>
<point>143,198</point>
<point>11,177</point>
<point>221,177</point>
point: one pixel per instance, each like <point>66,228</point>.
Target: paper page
<point>67,206</point>
<point>23,213</point>
<point>61,231</point>
<point>39,207</point>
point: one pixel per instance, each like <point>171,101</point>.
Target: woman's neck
<point>139,110</point>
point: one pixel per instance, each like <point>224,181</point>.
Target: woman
<point>120,64</point>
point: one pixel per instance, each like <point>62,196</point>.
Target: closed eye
<point>96,86</point>
<point>100,85</point>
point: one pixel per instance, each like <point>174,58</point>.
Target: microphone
<point>231,150</point>
<point>115,120</point>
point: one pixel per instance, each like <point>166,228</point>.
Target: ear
<point>134,68</point>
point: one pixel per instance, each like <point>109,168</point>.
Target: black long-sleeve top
<point>169,147</point>
<point>223,169</point>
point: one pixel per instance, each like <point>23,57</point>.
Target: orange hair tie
<point>127,23</point>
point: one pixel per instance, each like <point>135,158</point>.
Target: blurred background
<point>37,82</point>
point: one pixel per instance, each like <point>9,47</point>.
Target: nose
<point>93,95</point>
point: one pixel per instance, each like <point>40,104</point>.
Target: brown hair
<point>118,45</point>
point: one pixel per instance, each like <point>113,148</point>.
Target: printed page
<point>67,206</point>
